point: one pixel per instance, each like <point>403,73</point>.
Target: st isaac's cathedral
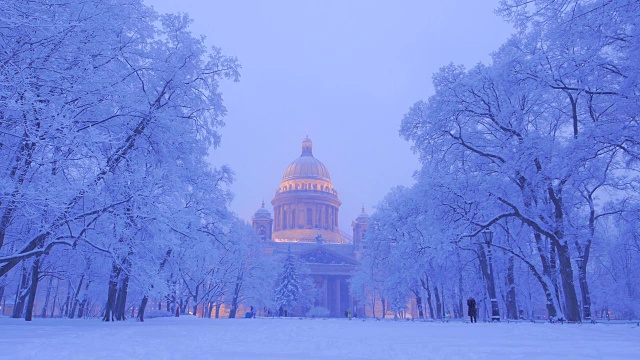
<point>305,219</point>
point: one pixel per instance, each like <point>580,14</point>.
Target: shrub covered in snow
<point>158,314</point>
<point>318,311</point>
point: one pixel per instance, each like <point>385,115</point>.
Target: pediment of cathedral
<point>321,255</point>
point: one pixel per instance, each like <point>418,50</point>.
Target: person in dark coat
<point>473,312</point>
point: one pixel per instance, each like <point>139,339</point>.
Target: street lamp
<point>582,275</point>
<point>488,236</point>
<point>495,311</point>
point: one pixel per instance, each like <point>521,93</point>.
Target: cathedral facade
<point>305,220</point>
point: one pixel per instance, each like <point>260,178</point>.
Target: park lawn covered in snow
<point>291,338</point>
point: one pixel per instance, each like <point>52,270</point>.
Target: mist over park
<point>319,180</point>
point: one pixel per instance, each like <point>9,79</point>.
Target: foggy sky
<point>343,72</point>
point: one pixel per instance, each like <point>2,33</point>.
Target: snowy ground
<point>265,338</point>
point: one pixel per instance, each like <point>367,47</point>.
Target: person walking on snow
<point>473,312</point>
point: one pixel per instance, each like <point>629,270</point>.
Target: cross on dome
<point>307,146</point>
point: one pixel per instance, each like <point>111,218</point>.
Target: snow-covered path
<point>262,338</point>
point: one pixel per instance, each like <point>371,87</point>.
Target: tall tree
<point>288,287</point>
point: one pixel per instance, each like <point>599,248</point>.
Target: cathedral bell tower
<point>262,223</point>
<point>360,227</point>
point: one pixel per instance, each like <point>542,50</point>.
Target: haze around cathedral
<point>319,179</point>
<point>340,72</point>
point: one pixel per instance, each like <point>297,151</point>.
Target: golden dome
<point>306,204</point>
<point>306,166</point>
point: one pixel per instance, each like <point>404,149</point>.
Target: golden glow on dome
<point>306,166</point>
<point>306,204</point>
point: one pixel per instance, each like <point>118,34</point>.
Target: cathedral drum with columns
<point>305,220</point>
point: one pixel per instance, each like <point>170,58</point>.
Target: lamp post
<point>582,275</point>
<point>495,311</point>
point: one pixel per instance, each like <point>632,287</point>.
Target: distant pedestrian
<point>473,312</point>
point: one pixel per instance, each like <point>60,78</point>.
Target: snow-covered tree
<point>540,147</point>
<point>108,111</point>
<point>288,288</point>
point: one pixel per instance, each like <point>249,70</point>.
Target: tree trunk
<point>83,304</point>
<point>35,273</point>
<point>512,306</point>
<point>572,309</point>
<point>236,296</point>
<point>584,290</point>
<point>419,304</point>
<point>438,303</point>
<point>552,309</point>
<point>121,299</point>
<point>75,300</point>
<point>444,310</point>
<point>195,301</point>
<point>460,296</point>
<point>425,286</point>
<point>183,305</point>
<point>66,306</point>
<point>373,304</point>
<point>21,294</point>
<point>82,308</point>
<point>55,299</point>
<point>2,299</point>
<point>43,314</point>
<point>217,310</point>
<point>206,310</point>
<point>209,310</point>
<point>486,264</point>
<point>585,252</point>
<point>111,293</point>
<point>143,306</point>
<point>553,274</point>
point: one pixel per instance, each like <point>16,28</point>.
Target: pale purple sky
<point>343,72</point>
